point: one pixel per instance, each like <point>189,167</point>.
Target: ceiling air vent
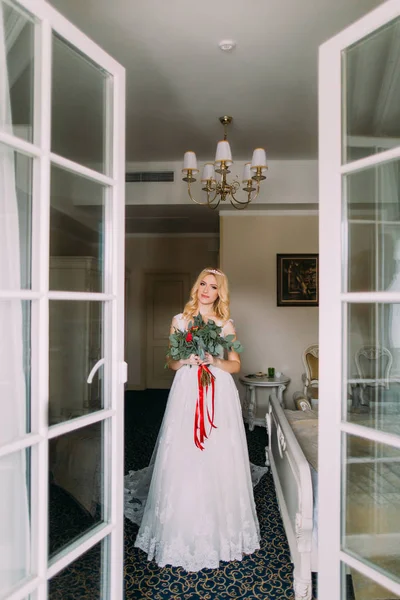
<point>149,176</point>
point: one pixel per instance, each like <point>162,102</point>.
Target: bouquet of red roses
<point>199,338</point>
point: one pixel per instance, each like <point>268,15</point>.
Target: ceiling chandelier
<point>219,190</point>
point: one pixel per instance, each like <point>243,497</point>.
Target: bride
<point>200,507</point>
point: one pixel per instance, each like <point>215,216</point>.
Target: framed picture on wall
<point>297,279</point>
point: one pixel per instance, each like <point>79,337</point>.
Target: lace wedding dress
<point>196,507</point>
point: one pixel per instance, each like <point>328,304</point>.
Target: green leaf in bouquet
<point>201,349</point>
<point>218,349</point>
<point>213,334</point>
<point>230,337</point>
<point>237,346</point>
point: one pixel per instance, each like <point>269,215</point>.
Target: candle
<point>246,173</point>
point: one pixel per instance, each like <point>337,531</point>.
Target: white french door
<point>62,369</point>
<point>359,436</point>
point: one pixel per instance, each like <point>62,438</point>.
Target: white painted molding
<point>172,235</point>
<point>293,212</point>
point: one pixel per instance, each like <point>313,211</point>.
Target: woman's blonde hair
<point>221,305</point>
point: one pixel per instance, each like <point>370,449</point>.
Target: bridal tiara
<point>214,271</point>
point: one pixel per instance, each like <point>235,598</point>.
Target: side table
<point>251,383</point>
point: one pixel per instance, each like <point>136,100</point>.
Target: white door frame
<point>332,319</point>
<point>48,20</point>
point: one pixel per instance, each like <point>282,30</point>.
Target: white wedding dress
<point>196,507</point>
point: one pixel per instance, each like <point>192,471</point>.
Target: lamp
<point>220,190</point>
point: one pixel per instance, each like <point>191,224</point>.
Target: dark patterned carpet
<point>265,575</point>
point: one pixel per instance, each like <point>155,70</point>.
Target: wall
<point>273,336</point>
<point>188,254</point>
<point>288,181</point>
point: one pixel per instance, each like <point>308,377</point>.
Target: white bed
<point>294,490</point>
<point>292,454</point>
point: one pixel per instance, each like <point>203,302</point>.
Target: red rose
<point>189,337</point>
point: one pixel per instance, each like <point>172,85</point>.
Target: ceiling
<point>179,82</point>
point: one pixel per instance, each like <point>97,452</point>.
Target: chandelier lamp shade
<point>214,175</point>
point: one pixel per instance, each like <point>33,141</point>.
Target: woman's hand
<point>192,360</point>
<point>209,359</point>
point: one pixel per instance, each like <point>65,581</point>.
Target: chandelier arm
<point>213,185</point>
<point>240,205</point>
<point>249,198</point>
<point>256,193</point>
<point>211,202</point>
<point>196,201</point>
<point>241,201</point>
<point>212,205</point>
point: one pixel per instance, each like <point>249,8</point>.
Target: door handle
<point>95,368</point>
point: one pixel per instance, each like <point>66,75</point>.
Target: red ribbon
<point>199,417</point>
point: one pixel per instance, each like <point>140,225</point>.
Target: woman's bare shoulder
<point>228,327</point>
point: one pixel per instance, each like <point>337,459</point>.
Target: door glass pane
<point>18,30</point>
<point>371,503</point>
<point>357,586</point>
<point>14,519</point>
<point>76,346</point>
<point>77,219</point>
<point>76,502</point>
<point>15,369</point>
<point>371,84</point>
<point>15,219</point>
<point>82,578</point>
<point>79,108</point>
<point>373,216</point>
<point>374,366</point>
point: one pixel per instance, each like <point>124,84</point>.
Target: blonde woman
<point>200,508</point>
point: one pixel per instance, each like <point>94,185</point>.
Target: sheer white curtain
<point>389,190</point>
<point>14,515</point>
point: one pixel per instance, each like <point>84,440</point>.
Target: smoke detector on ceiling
<point>227,45</point>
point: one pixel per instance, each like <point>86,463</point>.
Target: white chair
<point>307,399</point>
<point>373,365</point>
<point>310,377</point>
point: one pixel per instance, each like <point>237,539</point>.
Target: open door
<point>359,436</point>
<point>62,369</point>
